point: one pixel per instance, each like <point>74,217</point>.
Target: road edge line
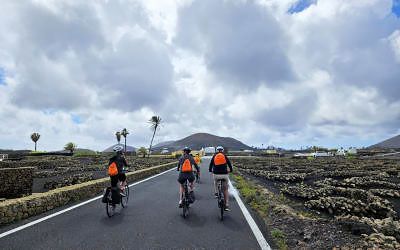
<point>29,224</point>
<point>253,225</point>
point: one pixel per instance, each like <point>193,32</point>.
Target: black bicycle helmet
<point>187,150</point>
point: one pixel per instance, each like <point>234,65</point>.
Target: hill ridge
<point>199,140</point>
<point>391,143</point>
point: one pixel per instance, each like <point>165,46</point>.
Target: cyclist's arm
<point>211,164</point>
<point>229,164</point>
<point>179,164</point>
<point>124,162</point>
<point>197,167</point>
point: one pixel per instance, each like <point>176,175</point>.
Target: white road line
<point>71,208</point>
<point>256,231</point>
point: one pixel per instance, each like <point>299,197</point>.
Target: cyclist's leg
<point>226,190</point>
<point>181,180</point>
<point>215,184</point>
<point>122,179</point>
<point>191,179</point>
<point>114,183</point>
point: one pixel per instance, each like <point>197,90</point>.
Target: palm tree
<point>155,122</point>
<point>70,146</point>
<point>35,137</point>
<point>125,133</point>
<point>118,135</point>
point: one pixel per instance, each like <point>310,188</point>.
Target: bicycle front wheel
<point>221,202</point>
<point>125,197</point>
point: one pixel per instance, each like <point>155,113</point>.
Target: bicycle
<point>186,199</point>
<point>124,198</point>
<point>221,198</point>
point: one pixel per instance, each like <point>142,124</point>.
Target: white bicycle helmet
<point>220,148</point>
<point>118,148</point>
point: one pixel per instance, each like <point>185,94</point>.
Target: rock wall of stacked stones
<point>16,182</point>
<point>21,208</point>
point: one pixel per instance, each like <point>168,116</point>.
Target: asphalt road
<point>152,220</point>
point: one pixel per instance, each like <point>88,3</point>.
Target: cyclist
<point>185,166</point>
<point>219,166</point>
<point>197,159</point>
<point>119,159</point>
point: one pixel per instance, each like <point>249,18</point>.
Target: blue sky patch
<point>76,119</point>
<point>2,77</point>
<point>396,7</point>
<point>301,5</point>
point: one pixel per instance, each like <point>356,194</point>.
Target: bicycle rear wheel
<point>110,208</point>
<point>185,201</point>
<point>221,201</point>
<point>185,209</point>
<point>221,209</point>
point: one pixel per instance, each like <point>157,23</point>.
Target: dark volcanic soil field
<point>57,171</point>
<point>331,202</point>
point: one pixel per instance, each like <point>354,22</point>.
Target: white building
<point>209,150</point>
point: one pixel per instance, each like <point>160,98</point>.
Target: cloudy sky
<point>288,73</point>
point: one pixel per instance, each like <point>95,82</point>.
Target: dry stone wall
<point>37,203</point>
<point>16,182</point>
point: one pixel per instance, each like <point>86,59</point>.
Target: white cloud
<point>248,69</point>
<point>394,39</point>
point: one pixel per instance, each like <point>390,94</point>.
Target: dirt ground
<point>326,204</point>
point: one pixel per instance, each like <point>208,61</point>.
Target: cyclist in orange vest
<point>120,160</point>
<point>219,166</point>
<point>197,159</point>
<point>185,166</point>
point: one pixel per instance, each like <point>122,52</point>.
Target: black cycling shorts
<point>115,179</point>
<point>186,176</point>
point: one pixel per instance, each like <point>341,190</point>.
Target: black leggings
<point>116,178</point>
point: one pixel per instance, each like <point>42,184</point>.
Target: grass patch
<point>279,239</point>
<point>85,154</point>
<point>252,195</point>
<point>37,152</point>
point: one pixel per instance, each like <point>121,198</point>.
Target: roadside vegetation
<point>57,171</point>
<point>324,203</point>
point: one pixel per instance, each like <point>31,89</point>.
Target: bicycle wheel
<point>110,208</point>
<point>185,201</point>
<point>221,201</point>
<point>184,209</point>
<point>221,209</point>
<point>125,197</point>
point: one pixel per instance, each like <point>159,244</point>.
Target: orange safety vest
<point>112,169</point>
<point>197,160</point>
<point>219,159</point>
<point>187,166</point>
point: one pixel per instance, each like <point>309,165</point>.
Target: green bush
<point>279,238</point>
